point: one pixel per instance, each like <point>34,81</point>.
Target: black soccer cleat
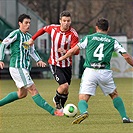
<point>127,120</point>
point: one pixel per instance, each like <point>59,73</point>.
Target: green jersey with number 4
<point>99,48</point>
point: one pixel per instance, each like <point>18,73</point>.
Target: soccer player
<point>20,65</point>
<point>63,37</point>
<point>99,48</point>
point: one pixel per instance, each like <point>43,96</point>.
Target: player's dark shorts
<point>61,75</point>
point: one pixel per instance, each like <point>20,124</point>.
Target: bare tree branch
<point>94,17</point>
<point>85,12</point>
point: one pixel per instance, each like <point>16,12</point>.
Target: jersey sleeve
<point>38,33</point>
<point>83,43</point>
<point>34,54</point>
<point>119,48</point>
<point>75,40</point>
<point>5,43</point>
<point>42,31</point>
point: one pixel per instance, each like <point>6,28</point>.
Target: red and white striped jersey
<point>59,39</point>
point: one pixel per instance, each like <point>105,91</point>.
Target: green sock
<point>9,98</point>
<point>119,105</point>
<point>43,104</point>
<point>82,106</point>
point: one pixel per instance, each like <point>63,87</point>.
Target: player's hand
<point>61,50</point>
<point>60,59</point>
<point>41,64</point>
<point>1,64</point>
<point>31,42</point>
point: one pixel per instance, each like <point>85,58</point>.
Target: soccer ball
<point>70,110</point>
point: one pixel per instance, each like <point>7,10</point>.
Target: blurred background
<point>84,15</point>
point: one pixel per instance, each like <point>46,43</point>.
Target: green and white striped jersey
<point>99,48</point>
<point>20,53</point>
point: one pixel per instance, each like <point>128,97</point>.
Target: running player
<point>20,65</point>
<point>63,37</point>
<point>99,48</point>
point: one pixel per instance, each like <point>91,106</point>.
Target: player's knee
<point>114,94</point>
<point>85,97</point>
<point>65,85</point>
<point>22,93</point>
<point>32,90</point>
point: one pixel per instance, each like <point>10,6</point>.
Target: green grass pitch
<point>23,116</point>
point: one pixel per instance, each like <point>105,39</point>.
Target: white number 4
<point>99,52</point>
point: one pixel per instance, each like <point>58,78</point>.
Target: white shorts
<point>91,78</point>
<point>21,77</point>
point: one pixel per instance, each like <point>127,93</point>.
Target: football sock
<point>119,105</point>
<point>57,98</point>
<point>63,99</point>
<point>9,98</point>
<point>82,106</point>
<point>43,104</point>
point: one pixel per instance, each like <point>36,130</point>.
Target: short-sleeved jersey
<point>99,48</point>
<point>20,53</point>
<point>59,39</point>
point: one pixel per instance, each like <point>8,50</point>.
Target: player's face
<point>25,25</point>
<point>65,23</point>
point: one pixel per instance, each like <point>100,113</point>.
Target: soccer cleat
<point>127,120</point>
<point>57,104</point>
<point>80,118</point>
<point>58,113</point>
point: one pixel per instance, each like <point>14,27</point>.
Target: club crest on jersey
<point>25,45</point>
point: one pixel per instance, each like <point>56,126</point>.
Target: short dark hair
<point>22,17</point>
<point>102,24</point>
<point>65,13</point>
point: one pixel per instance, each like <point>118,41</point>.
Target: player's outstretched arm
<point>69,53</point>
<point>1,65</point>
<point>128,58</point>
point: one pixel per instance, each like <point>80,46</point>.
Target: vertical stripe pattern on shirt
<point>60,39</point>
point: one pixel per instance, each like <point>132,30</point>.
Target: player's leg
<point>9,98</point>
<point>24,81</point>
<point>87,89</point>
<point>30,87</point>
<point>16,75</point>
<point>119,105</point>
<point>83,108</point>
<point>63,77</point>
<point>61,95</point>
<point>39,100</point>
<point>68,75</point>
<point>82,104</point>
<point>108,87</point>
